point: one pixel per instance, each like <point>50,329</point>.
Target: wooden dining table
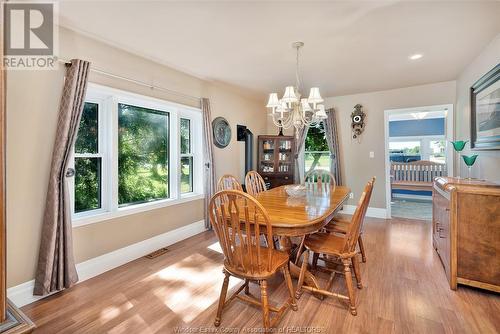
<point>299,216</point>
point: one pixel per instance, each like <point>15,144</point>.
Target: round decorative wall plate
<point>221,131</point>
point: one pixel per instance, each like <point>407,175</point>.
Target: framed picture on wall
<point>485,111</point>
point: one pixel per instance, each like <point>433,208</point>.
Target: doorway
<point>416,150</point>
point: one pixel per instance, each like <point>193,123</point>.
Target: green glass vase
<point>469,161</point>
<point>459,145</point>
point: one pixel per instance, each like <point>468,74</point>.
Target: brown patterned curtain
<point>56,265</point>
<point>300,138</point>
<point>332,138</point>
<point>208,156</point>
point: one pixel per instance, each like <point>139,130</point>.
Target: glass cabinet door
<point>285,158</point>
<point>267,156</point>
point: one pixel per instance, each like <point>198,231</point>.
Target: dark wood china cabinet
<point>276,160</point>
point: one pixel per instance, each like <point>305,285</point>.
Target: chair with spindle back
<point>319,178</point>
<point>254,183</point>
<point>238,220</point>
<point>340,224</point>
<point>316,180</point>
<point>228,182</point>
<point>342,247</point>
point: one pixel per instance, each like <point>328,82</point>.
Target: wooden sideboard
<point>276,160</point>
<point>466,231</point>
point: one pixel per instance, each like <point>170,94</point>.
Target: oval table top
<point>297,216</point>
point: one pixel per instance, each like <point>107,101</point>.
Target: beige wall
<point>357,166</point>
<point>488,162</point>
<point>32,102</point>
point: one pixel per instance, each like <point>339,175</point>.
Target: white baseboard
<point>22,294</point>
<point>371,212</point>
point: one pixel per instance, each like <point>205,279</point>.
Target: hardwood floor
<point>405,291</point>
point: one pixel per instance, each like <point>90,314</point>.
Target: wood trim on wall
<point>3,276</point>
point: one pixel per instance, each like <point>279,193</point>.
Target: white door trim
<point>449,135</point>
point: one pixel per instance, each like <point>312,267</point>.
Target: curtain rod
<point>138,82</point>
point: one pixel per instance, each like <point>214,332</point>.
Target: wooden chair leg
<point>302,274</point>
<point>222,299</point>
<point>357,272</point>
<point>315,261</point>
<point>247,287</point>
<point>362,248</point>
<point>299,251</point>
<point>265,304</point>
<point>288,280</point>
<point>350,288</point>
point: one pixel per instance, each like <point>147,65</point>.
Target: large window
<point>142,154</point>
<point>134,153</point>
<point>317,154</point>
<point>437,151</point>
<point>88,161</point>
<point>186,156</point>
<point>407,149</point>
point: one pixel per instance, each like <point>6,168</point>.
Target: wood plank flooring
<point>405,291</point>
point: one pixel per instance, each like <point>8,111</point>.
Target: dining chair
<point>341,247</point>
<point>254,183</point>
<point>228,182</point>
<point>340,224</point>
<point>239,220</point>
<point>319,178</point>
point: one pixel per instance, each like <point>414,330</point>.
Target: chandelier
<point>292,109</point>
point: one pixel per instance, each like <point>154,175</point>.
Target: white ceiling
<point>350,47</point>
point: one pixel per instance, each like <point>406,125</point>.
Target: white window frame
<point>187,155</point>
<point>423,140</point>
<point>108,100</point>
<point>102,152</point>
<point>302,160</point>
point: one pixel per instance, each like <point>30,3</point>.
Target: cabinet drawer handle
<point>447,209</point>
<point>286,177</point>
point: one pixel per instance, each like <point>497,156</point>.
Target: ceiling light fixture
<point>416,56</point>
<point>291,109</point>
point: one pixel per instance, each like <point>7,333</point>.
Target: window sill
<point>92,218</point>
